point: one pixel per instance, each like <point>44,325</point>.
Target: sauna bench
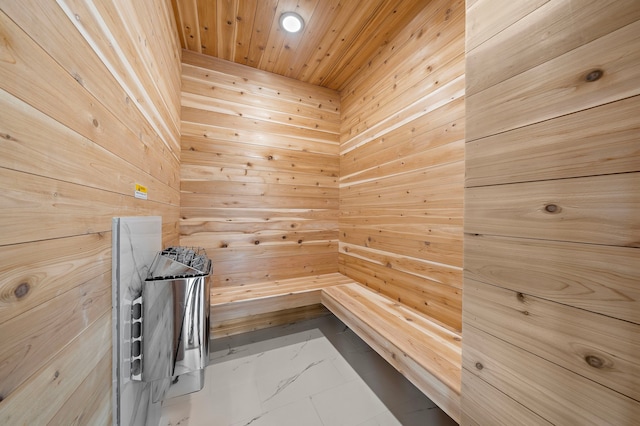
<point>425,352</point>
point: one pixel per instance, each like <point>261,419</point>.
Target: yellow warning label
<point>141,191</point>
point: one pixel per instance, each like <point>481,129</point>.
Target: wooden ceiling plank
<point>227,11</point>
<point>318,25</point>
<point>208,23</point>
<point>378,35</point>
<point>263,21</point>
<point>356,38</point>
<point>275,43</point>
<point>246,18</point>
<point>294,44</point>
<point>341,17</point>
<point>341,38</point>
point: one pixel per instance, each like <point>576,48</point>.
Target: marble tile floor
<point>312,373</point>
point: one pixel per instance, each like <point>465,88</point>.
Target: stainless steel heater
<point>170,324</point>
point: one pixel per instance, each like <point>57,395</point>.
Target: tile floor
<point>315,372</point>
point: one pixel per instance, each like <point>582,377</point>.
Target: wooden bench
<point>425,352</point>
<point>249,307</point>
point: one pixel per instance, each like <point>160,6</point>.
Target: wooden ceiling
<point>339,36</point>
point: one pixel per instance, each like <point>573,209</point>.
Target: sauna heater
<point>170,324</point>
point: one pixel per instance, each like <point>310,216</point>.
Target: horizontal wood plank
<point>414,138</point>
<point>270,319</point>
<point>600,348</point>
<point>564,147</point>
<point>90,403</point>
<point>21,78</point>
<point>192,131</point>
<point>60,209</point>
<point>129,60</point>
<point>52,384</point>
<point>432,271</point>
<point>487,19</point>
<point>34,273</point>
<point>596,278</point>
<point>275,267</point>
<point>427,354</point>
<point>524,40</point>
<point>229,303</point>
<point>448,92</point>
<point>440,302</point>
<point>556,394</point>
<point>62,41</point>
<point>284,84</point>
<point>559,86</point>
<point>60,320</point>
<point>478,396</point>
<point>598,209</point>
<point>430,244</point>
<point>28,136</point>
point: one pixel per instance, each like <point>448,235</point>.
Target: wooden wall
<point>552,224</point>
<point>89,101</point>
<point>259,173</point>
<point>402,166</point>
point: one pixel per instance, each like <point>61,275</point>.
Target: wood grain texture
<point>63,319</point>
<point>550,314</point>
<point>21,77</point>
<point>521,36</point>
<point>402,169</point>
<point>28,135</point>
<point>426,353</point>
<point>144,68</point>
<point>236,302</point>
<point>53,383</point>
<point>597,278</point>
<point>488,19</point>
<point>91,402</point>
<point>55,267</point>
<point>597,209</point>
<point>90,99</point>
<point>559,86</point>
<point>61,210</point>
<point>337,40</point>
<point>441,303</point>
<point>605,352</point>
<point>260,166</point>
<point>475,406</point>
<point>266,320</point>
<point>557,395</point>
<point>564,147</point>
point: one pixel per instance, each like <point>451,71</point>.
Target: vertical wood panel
<point>402,152</point>
<point>551,217</point>
<point>90,94</point>
<point>260,172</point>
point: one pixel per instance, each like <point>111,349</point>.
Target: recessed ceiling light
<point>291,22</point>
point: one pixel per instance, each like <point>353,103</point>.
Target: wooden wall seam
<point>402,167</point>
<point>551,224</point>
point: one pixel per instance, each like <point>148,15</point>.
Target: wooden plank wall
<point>259,173</point>
<point>402,166</point>
<point>90,101</point>
<point>552,229</point>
